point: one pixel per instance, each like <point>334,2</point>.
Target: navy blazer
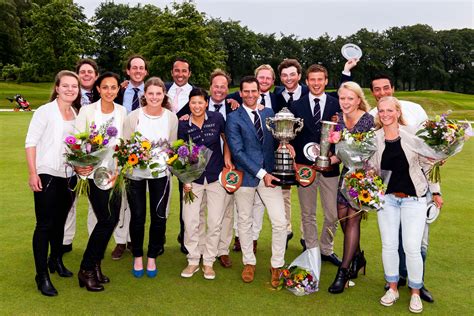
<point>228,108</point>
<point>248,153</point>
<point>311,133</point>
<point>273,99</point>
<point>185,109</point>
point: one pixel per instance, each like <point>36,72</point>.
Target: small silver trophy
<point>323,163</point>
<point>284,130</point>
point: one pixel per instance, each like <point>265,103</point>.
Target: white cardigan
<point>46,134</point>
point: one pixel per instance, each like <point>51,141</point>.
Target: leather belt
<point>400,195</point>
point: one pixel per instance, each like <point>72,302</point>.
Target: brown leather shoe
<point>275,276</point>
<point>236,246</point>
<point>248,273</point>
<point>225,261</point>
<point>99,275</point>
<point>255,247</point>
<point>89,280</point>
<point>118,251</point>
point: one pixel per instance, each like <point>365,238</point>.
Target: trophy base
<point>321,168</point>
<point>285,180</point>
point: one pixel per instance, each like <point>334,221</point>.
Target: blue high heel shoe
<point>152,273</point>
<point>137,273</point>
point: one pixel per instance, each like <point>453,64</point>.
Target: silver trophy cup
<point>323,163</point>
<point>284,127</point>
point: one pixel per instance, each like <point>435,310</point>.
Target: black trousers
<point>107,210</point>
<point>159,190</point>
<point>52,206</point>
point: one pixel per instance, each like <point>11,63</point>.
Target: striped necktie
<point>136,99</point>
<point>258,126</point>
<point>262,101</point>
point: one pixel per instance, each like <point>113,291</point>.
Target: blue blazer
<point>311,132</point>
<point>273,99</point>
<point>248,154</point>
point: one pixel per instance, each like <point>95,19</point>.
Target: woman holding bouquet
<point>49,177</point>
<point>204,128</point>
<point>155,122</point>
<point>404,201</point>
<point>355,119</point>
<point>106,208</point>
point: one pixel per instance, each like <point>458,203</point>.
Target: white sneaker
<point>389,298</point>
<point>416,306</point>
<point>209,273</point>
<point>189,271</point>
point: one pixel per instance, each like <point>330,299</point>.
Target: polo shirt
<point>210,136</point>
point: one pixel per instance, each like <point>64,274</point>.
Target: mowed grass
<point>448,273</point>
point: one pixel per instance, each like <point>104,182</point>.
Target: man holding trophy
<point>314,108</point>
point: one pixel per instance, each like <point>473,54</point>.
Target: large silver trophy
<point>285,127</point>
<point>323,163</point>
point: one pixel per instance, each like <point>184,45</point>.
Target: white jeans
<point>410,213</point>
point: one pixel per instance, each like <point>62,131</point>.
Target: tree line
<point>40,37</point>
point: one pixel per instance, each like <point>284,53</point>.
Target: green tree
<point>10,33</point>
<point>59,36</point>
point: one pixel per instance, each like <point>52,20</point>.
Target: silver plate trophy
<point>350,51</point>
<point>311,151</point>
<point>323,162</point>
<point>103,178</point>
<point>285,127</point>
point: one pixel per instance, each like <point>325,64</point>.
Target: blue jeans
<point>409,214</point>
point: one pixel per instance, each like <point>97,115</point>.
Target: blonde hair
<point>265,67</point>
<point>354,87</point>
<point>398,107</point>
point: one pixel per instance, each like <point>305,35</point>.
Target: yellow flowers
<point>132,159</point>
<point>98,139</point>
<point>364,196</point>
<point>146,145</point>
<point>359,175</point>
<point>172,159</point>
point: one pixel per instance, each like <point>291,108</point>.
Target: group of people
<point>233,127</point>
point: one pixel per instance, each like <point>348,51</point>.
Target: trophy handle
<point>300,123</point>
<point>268,122</point>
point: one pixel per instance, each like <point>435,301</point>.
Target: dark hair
<point>381,76</point>
<point>183,61</point>
<point>76,104</point>
<point>129,61</point>
<point>87,61</point>
<point>198,92</point>
<point>156,81</point>
<point>317,68</point>
<point>219,72</point>
<point>107,74</point>
<point>287,63</point>
<point>248,79</point>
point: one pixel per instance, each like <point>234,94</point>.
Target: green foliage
<point>10,33</point>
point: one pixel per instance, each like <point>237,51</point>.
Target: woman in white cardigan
<point>50,178</point>
<point>404,201</point>
<point>106,207</point>
<point>155,122</point>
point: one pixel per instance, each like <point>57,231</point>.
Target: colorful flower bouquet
<point>187,161</point>
<point>139,153</point>
<point>298,280</point>
<point>355,149</point>
<point>445,137</point>
<point>89,149</point>
<point>364,189</point>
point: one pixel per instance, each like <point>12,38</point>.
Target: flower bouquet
<point>138,153</point>
<point>364,189</point>
<point>445,137</point>
<point>301,277</point>
<point>89,149</point>
<point>354,149</point>
<point>187,161</point>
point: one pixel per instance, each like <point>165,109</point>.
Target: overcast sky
<point>312,18</point>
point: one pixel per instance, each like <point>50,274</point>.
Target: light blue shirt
<point>129,93</point>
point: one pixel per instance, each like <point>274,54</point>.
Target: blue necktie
<point>258,126</point>
<point>136,99</point>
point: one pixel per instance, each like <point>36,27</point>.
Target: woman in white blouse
<point>155,122</point>
<point>106,207</point>
<point>50,178</point>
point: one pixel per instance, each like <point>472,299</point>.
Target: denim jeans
<point>409,214</point>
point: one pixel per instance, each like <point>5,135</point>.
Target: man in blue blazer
<point>252,148</point>
<point>313,108</point>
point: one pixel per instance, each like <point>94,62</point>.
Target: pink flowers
<point>71,140</point>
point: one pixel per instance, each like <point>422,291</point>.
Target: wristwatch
<point>436,193</point>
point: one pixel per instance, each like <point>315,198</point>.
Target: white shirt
<point>222,109</point>
<point>46,133</point>
<point>413,114</point>
<point>183,96</point>
<point>296,93</point>
<point>268,100</point>
<point>322,102</point>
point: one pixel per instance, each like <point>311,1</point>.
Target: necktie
<point>262,102</point>
<point>290,99</point>
<point>136,99</point>
<point>89,95</point>
<point>176,99</point>
<point>316,111</point>
<point>217,107</point>
<point>258,126</point>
